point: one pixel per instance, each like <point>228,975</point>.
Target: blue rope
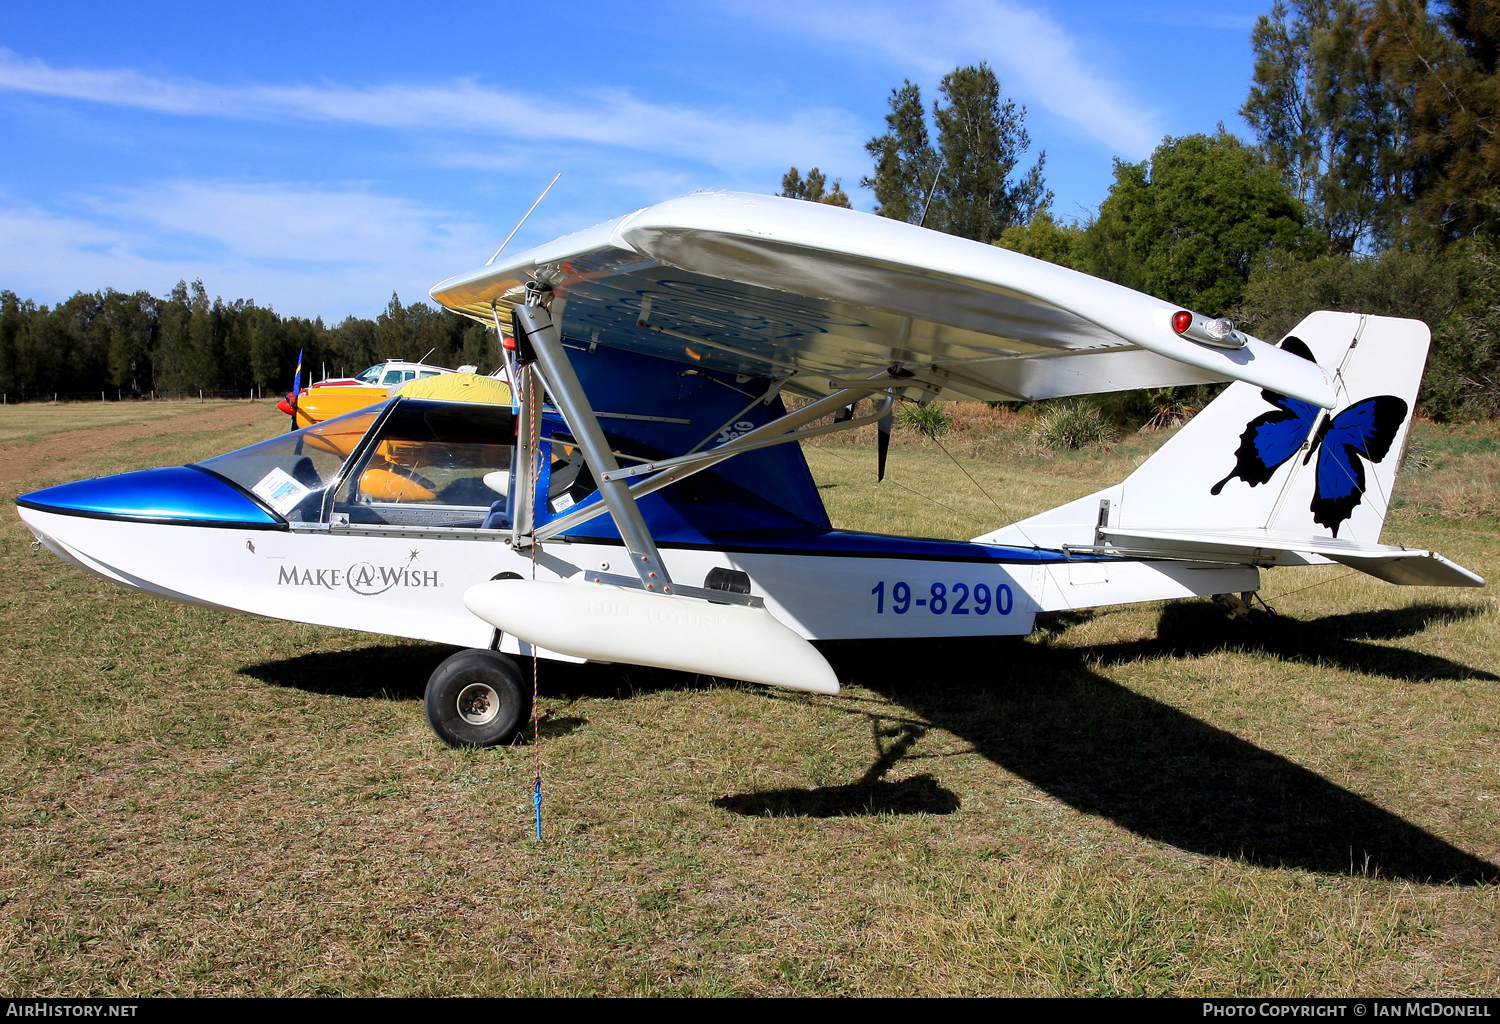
<point>537,799</point>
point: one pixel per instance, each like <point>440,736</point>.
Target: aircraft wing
<point>774,287</point>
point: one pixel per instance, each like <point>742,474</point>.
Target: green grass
<point>1141,800</point>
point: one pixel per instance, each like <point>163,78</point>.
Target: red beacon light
<point>1181,321</point>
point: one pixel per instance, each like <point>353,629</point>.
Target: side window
<point>428,373</point>
<point>408,375</point>
<point>391,377</point>
<point>435,464</point>
<point>568,479</point>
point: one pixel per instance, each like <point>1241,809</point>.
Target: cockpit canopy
<point>414,464</point>
<point>398,463</point>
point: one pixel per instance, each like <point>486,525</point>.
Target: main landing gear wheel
<point>477,699</point>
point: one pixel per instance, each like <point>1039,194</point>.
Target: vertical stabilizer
<point>1256,461</point>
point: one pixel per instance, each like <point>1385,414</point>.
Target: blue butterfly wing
<point>1367,429</point>
<point>1270,440</point>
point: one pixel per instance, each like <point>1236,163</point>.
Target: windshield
<point>290,472</point>
<point>372,375</point>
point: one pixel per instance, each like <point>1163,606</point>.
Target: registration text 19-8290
<point>944,599</point>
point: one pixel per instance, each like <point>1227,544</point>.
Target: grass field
<point>1143,800</point>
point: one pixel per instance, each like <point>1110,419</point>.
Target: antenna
<point>424,358</point>
<point>930,192</point>
<point>523,220</point>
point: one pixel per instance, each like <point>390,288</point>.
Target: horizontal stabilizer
<point>602,622</point>
<point>1407,566</point>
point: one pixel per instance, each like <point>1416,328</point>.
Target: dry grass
<point>1141,800</point>
<point>30,421</point>
<point>1451,473</point>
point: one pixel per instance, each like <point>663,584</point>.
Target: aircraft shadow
<point>871,795</point>
<point>1195,629</point>
<point>1043,713</point>
<point>377,672</point>
<point>400,671</point>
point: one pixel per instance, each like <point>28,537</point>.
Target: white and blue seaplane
<point>644,500</point>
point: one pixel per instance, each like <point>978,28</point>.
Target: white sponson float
<point>661,630</point>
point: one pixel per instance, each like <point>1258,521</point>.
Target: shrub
<point>1149,409</point>
<point>1073,425</point>
<point>931,419</point>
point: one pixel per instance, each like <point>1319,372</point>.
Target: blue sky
<point>316,158</point>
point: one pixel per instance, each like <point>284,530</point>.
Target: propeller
<point>882,443</point>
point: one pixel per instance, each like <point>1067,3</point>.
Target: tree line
<point>1372,184</point>
<point>137,344</point>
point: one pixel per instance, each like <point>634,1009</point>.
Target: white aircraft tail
<point>1259,479</point>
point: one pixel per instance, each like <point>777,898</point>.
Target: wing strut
<point>545,340</point>
<point>689,629</point>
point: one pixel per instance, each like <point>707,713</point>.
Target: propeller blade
<point>882,444</point>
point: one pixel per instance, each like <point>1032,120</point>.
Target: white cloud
<point>1040,61</point>
<point>308,252</point>
<point>615,118</point>
<point>278,222</point>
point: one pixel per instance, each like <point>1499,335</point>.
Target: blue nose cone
<point>181,494</point>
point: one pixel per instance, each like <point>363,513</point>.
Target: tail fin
<point>1262,479</point>
<point>1256,460</point>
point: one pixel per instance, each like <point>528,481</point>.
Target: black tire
<point>477,699</point>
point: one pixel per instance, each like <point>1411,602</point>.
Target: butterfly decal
<point>1364,431</point>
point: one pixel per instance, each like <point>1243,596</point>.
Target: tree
<point>15,318</point>
<point>171,343</point>
<point>478,348</point>
<point>981,138</point>
<point>1446,67</point>
<point>202,362</point>
<point>1193,222</point>
<point>352,345</point>
<point>969,176</point>
<point>1335,131</point>
<point>1045,239</point>
<point>108,340</point>
<point>1455,290</point>
<point>419,331</point>
<point>132,321</point>
<point>813,188</point>
<point>82,342</point>
<point>905,163</point>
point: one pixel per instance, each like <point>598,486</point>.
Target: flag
<point>296,389</point>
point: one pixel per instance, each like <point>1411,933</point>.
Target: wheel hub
<point>478,704</point>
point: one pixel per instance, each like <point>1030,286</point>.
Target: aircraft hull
<point>412,585</point>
